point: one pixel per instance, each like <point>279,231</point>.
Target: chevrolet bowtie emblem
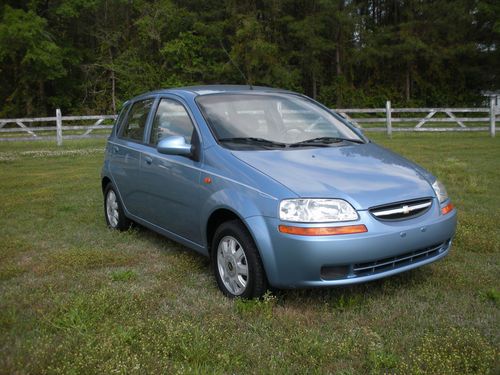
<point>406,210</point>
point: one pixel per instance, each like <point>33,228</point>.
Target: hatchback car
<point>275,188</point>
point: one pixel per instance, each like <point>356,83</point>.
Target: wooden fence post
<point>59,127</point>
<point>492,116</point>
<point>388,119</point>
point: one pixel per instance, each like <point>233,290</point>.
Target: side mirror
<point>174,145</point>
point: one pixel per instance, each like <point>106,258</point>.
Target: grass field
<point>76,297</point>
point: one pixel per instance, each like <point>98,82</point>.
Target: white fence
<point>29,129</point>
<point>424,119</point>
<point>392,119</point>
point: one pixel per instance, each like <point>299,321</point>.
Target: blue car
<point>275,188</point>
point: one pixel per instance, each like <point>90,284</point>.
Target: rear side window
<point>133,127</point>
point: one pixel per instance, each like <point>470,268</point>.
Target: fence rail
<point>18,129</point>
<point>432,121</point>
<point>461,119</point>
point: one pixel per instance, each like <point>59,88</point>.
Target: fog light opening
<point>335,272</point>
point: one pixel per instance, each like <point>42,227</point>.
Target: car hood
<point>366,175</point>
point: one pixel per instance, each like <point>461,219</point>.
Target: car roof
<point>212,89</point>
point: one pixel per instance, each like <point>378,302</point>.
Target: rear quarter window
<point>121,117</point>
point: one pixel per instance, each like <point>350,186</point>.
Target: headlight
<point>440,191</point>
<point>316,210</point>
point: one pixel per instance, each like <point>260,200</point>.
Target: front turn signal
<point>322,231</point>
<point>447,209</point>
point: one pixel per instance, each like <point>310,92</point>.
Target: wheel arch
<point>104,182</point>
<point>253,225</point>
<point>216,218</point>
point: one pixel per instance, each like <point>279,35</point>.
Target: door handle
<point>115,149</point>
<point>148,160</point>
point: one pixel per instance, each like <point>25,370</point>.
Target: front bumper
<point>386,249</point>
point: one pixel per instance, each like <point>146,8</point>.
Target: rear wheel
<point>236,262</point>
<point>113,210</point>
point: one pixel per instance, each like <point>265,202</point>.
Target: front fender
<point>251,207</point>
<point>259,230</point>
<point>244,203</point>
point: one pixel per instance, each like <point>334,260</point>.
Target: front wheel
<point>113,210</point>
<point>236,262</point>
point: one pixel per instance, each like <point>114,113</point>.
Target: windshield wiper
<point>320,141</point>
<point>253,141</point>
<point>324,141</point>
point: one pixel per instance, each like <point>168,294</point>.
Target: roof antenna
<point>235,65</point>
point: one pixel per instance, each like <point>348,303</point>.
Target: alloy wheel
<point>232,265</point>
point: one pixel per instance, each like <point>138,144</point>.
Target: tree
<point>30,59</point>
<point>88,56</point>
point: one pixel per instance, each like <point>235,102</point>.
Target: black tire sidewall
<point>257,283</point>
<point>123,221</point>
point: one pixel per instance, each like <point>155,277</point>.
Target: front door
<point>172,182</point>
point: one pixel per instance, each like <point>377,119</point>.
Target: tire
<point>236,262</point>
<point>113,210</point>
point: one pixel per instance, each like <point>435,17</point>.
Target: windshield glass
<point>265,120</point>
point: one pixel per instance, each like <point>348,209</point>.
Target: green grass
<point>76,297</point>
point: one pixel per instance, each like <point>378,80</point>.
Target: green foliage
<point>25,40</point>
<point>492,295</point>
<point>123,275</point>
<point>29,58</point>
<point>184,58</point>
<point>89,56</point>
<point>256,307</point>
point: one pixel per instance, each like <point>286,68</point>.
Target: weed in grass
<point>76,319</point>
<point>84,313</point>
<point>262,307</point>
<point>346,302</point>
<point>123,275</point>
<point>380,361</point>
<point>126,336</point>
<point>378,358</point>
<point>491,295</point>
<point>453,351</point>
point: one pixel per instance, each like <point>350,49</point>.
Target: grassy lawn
<point>76,297</point>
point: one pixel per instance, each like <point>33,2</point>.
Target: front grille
<point>382,265</point>
<point>401,210</point>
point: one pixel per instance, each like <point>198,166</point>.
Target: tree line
<point>89,56</point>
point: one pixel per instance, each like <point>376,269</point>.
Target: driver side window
<point>171,118</point>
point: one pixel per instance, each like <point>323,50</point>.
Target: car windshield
<point>264,120</point>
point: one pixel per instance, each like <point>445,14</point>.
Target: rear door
<point>172,182</point>
<point>126,150</point>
